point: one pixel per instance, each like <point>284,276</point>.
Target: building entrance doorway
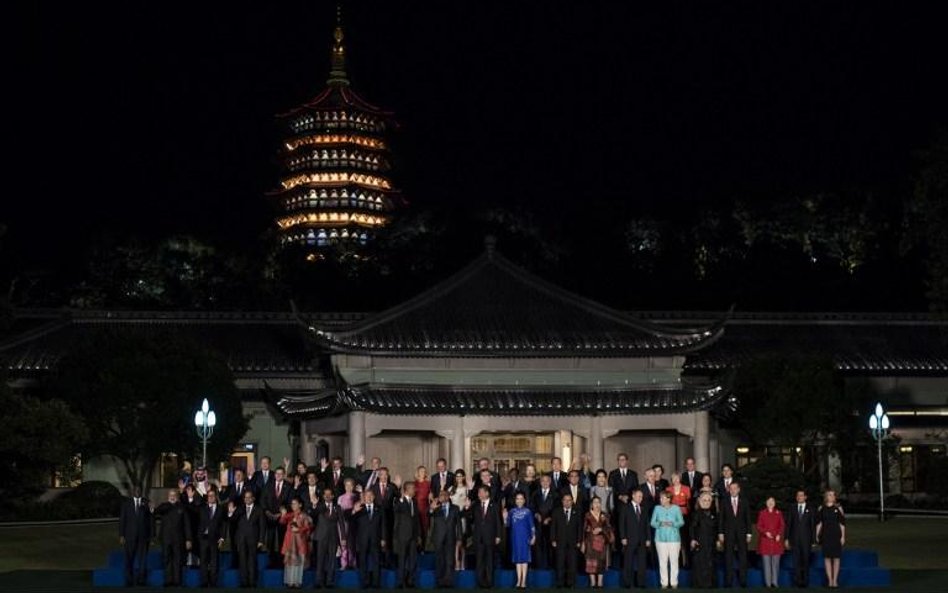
<point>510,450</point>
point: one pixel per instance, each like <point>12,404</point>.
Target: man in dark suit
<point>545,499</point>
<point>175,536</point>
<point>442,479</point>
<point>734,531</point>
<point>636,538</point>
<point>262,478</point>
<point>370,475</point>
<point>385,495</point>
<point>274,497</point>
<point>722,488</point>
<point>558,477</point>
<point>370,539</point>
<point>651,493</point>
<point>235,494</point>
<point>334,476</point>
<point>623,480</point>
<point>445,534</point>
<point>576,491</point>
<point>310,492</point>
<point>486,478</point>
<point>326,517</point>
<point>514,486</point>
<point>800,537</point>
<point>406,536</point>
<point>483,464</point>
<point>249,526</point>
<point>691,477</point>
<point>567,536</point>
<point>134,534</point>
<point>210,537</point>
<point>487,527</point>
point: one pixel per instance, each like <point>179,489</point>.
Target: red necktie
<point>279,487</point>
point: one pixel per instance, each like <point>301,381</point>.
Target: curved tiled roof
<point>496,308</point>
<point>498,400</point>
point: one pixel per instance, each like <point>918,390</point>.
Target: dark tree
<point>38,438</point>
<point>138,391</point>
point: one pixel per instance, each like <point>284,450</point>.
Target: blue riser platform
<point>859,568</point>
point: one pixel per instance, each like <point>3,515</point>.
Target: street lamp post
<point>204,421</point>
<point>879,425</point>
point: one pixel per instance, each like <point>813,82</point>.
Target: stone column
<point>457,446</point>
<point>307,453</point>
<point>356,435</point>
<point>596,447</point>
<point>702,442</point>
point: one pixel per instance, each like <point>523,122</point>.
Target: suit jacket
<point>567,533</point>
<point>259,484</point>
<point>634,527</point>
<point>407,523</point>
<point>211,526</point>
<point>693,485</point>
<point>232,494</point>
<point>387,500</point>
<point>445,530</point>
<point>175,522</point>
<point>495,491</point>
<point>557,484</point>
<point>721,490</point>
<point>370,531</point>
<point>801,529</point>
<point>272,501</point>
<point>510,491</point>
<point>437,486</point>
<point>580,500</point>
<point>731,525</point>
<point>544,507</point>
<point>134,525</point>
<point>326,522</point>
<point>622,486</point>
<point>649,502</point>
<point>303,493</point>
<point>252,529</point>
<point>486,527</point>
<point>328,478</point>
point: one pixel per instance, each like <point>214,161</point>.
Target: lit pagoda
<point>335,185</point>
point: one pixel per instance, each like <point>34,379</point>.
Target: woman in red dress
<point>422,490</point>
<point>295,543</point>
<point>681,497</point>
<point>770,541</point>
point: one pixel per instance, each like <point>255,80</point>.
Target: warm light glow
<point>339,218</point>
<point>336,139</point>
<point>336,178</point>
<point>905,449</point>
<point>743,450</point>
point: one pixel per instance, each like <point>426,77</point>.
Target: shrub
<point>772,477</point>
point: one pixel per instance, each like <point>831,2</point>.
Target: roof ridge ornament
<point>337,73</point>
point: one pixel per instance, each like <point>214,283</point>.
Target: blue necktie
<point>446,509</point>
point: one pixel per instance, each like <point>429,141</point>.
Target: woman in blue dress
<point>522,536</point>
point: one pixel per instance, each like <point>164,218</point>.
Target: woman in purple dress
<point>347,553</point>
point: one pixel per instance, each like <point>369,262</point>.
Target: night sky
<point>153,119</point>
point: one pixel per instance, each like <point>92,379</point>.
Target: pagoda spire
<point>337,73</point>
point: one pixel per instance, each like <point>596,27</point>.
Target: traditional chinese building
<point>335,187</point>
<point>495,362</point>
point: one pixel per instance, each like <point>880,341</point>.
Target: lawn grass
<point>903,543</point>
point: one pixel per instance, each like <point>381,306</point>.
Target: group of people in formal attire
<point>362,518</point>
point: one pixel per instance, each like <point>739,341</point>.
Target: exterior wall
<point>269,435</point>
<point>402,453</point>
<point>645,449</point>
